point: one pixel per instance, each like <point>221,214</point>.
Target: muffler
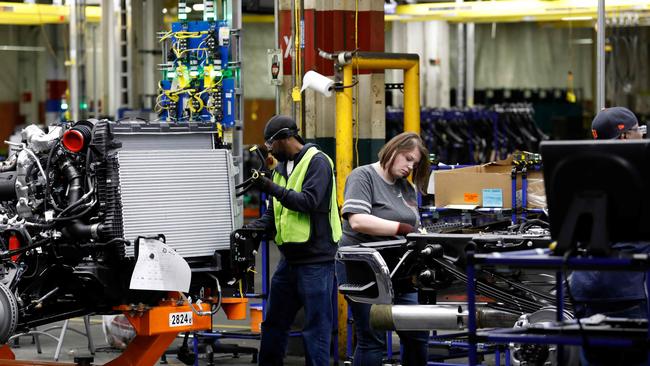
<point>438,317</point>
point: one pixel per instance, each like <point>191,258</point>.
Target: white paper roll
<point>317,82</point>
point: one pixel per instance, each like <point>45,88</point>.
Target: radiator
<point>185,194</point>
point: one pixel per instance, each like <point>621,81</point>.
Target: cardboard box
<point>487,185</point>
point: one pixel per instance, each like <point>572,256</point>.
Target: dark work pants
<point>294,287</point>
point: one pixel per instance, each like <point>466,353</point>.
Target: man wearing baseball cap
<point>616,293</point>
<point>304,216</point>
<point>616,123</point>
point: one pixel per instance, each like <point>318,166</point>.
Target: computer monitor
<point>597,192</point>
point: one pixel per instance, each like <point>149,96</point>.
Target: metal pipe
<point>470,65</point>
<point>95,97</point>
<point>343,133</point>
<point>238,135</point>
<point>111,24</point>
<point>600,57</point>
<point>130,40</point>
<point>440,317</point>
<point>410,63</point>
<point>367,61</point>
<point>294,35</point>
<point>74,59</point>
<point>460,86</point>
<point>412,98</point>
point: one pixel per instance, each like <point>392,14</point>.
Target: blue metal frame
<point>528,260</point>
<point>471,308</point>
<point>450,167</point>
<point>524,192</point>
<point>513,176</point>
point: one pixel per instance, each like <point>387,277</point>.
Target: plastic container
<point>256,315</point>
<point>234,307</point>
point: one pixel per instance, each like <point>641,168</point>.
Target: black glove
<point>263,183</point>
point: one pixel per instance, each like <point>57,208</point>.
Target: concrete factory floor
<point>75,344</point>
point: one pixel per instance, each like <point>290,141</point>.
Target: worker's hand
<point>261,182</point>
<point>404,229</point>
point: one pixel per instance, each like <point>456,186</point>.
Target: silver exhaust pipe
<point>439,317</point>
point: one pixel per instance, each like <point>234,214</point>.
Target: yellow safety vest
<point>293,226</point>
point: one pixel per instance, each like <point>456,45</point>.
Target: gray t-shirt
<point>367,192</point>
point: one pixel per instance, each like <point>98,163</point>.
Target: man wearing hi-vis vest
<point>304,216</point>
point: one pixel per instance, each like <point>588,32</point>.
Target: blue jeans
<point>371,343</point>
<point>294,287</point>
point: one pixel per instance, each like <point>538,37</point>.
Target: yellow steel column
<point>343,169</point>
<point>343,133</point>
<point>412,98</point>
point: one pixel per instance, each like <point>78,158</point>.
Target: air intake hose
<point>77,229</point>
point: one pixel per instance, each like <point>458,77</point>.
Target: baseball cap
<point>610,123</point>
<point>280,127</point>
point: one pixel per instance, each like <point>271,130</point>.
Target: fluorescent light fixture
<point>198,7</point>
<point>577,18</point>
<point>585,41</point>
<point>22,48</point>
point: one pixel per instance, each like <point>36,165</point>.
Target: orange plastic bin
<point>234,307</point>
<point>256,313</point>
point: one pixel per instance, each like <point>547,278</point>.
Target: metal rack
<point>637,262</point>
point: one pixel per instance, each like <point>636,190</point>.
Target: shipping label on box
<point>470,198</point>
<point>493,198</point>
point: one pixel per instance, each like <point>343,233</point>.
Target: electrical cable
<point>298,68</point>
<point>355,83</point>
<point>77,216</point>
<point>108,243</point>
<point>197,312</point>
<point>11,253</point>
<point>26,267</point>
<point>219,296</point>
<point>47,171</point>
<point>38,162</point>
<point>565,260</point>
<point>76,203</point>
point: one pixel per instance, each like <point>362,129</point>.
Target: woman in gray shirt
<point>381,204</point>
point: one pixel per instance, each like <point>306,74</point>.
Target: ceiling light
<point>577,18</point>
